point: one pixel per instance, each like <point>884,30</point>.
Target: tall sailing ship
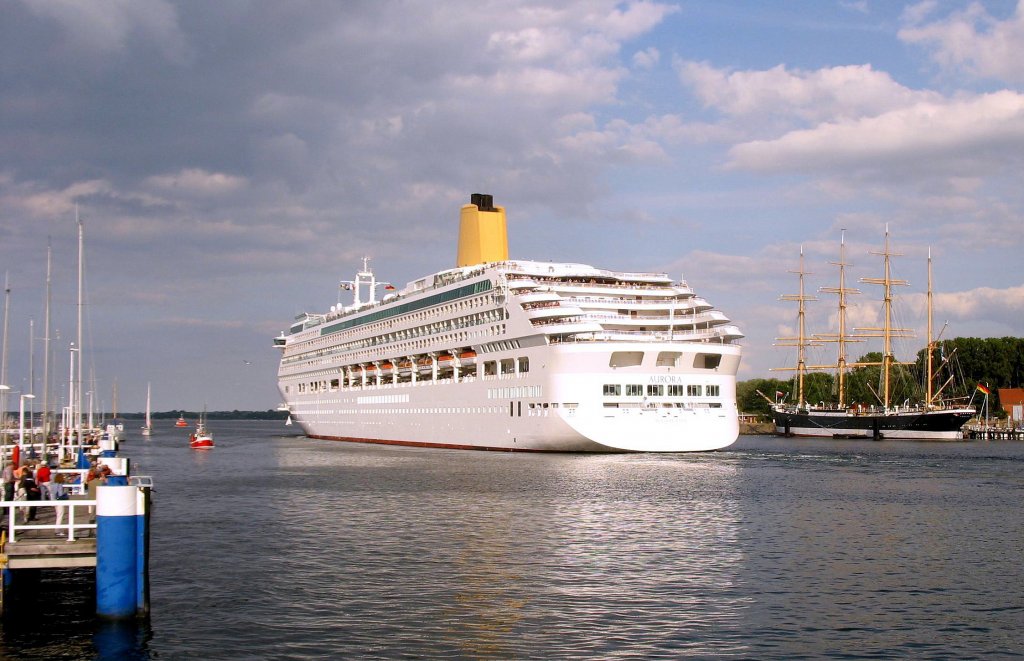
<point>936,417</point>
<point>500,354</point>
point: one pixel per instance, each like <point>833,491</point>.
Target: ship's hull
<point>910,425</point>
<point>557,407</point>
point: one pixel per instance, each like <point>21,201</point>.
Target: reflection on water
<point>283,547</point>
<point>122,640</point>
<point>477,553</point>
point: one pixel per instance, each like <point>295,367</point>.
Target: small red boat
<point>201,438</point>
<point>181,422</point>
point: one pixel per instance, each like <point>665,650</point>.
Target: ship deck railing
<point>517,267</point>
<point>692,301</point>
<point>677,335</point>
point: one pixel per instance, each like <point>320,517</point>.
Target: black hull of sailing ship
<point>936,424</point>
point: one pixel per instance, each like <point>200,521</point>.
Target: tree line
<point>960,365</point>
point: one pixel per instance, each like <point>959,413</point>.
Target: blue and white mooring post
<point>122,549</point>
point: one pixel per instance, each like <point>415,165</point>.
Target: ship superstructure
<point>507,354</point>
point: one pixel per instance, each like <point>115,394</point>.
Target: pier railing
<point>79,519</point>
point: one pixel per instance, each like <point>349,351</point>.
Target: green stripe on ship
<point>412,306</point>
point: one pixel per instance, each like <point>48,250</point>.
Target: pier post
<point>142,550</point>
<point>117,582</point>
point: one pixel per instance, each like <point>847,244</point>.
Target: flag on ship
<point>984,389</point>
<point>389,287</point>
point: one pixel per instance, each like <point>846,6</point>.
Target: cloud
<point>988,128</point>
<point>1003,305</point>
<point>108,25</point>
<point>631,22</point>
<point>40,202</point>
<point>844,92</point>
<point>196,181</point>
<point>971,40</point>
<point>859,6</point>
<point>647,58</point>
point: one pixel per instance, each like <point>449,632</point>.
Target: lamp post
<point>3,416</point>
<point>21,419</point>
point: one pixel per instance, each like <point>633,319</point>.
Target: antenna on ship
<point>363,277</point>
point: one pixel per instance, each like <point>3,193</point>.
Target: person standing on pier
<point>43,480</point>
<point>8,481</point>
<point>28,490</point>
<point>57,492</point>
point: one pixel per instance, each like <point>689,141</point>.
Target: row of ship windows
<point>659,390</point>
<point>467,321</point>
<point>503,367</point>
<point>328,342</point>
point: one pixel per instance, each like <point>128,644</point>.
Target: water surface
<point>280,547</point>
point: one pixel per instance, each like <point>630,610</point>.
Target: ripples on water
<point>280,547</point>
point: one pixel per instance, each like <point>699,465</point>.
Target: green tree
<point>749,401</point>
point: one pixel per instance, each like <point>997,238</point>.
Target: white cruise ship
<point>500,354</point>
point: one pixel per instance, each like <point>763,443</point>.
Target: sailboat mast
<point>46,344</point>
<point>3,359</point>
<point>78,374</point>
<point>32,375</point>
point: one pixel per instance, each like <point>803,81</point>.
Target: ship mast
<point>929,396</point>
<point>887,331</point>
<point>801,341</point>
<point>840,338</point>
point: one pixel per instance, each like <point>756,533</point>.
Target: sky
<point>232,161</point>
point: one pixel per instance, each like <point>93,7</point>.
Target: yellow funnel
<point>483,236</point>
